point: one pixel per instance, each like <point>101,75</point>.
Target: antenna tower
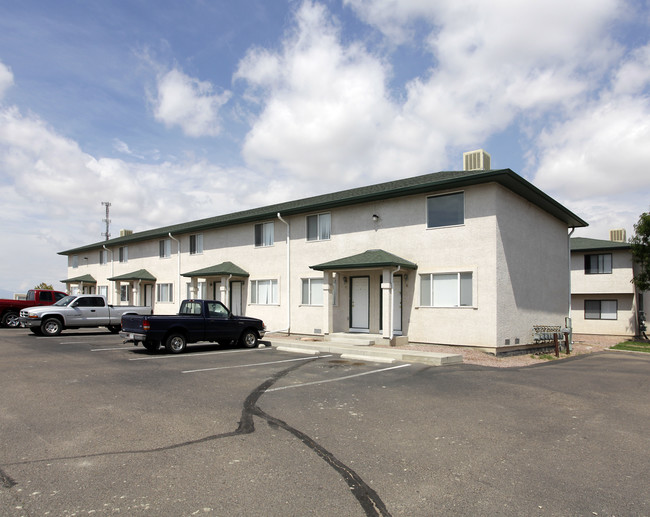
<point>107,234</point>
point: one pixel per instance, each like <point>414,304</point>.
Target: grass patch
<point>633,346</point>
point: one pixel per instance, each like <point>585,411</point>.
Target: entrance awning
<point>366,260</point>
<point>86,279</point>
<point>140,274</point>
<point>223,269</point>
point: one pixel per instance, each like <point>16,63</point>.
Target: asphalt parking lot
<point>92,426</point>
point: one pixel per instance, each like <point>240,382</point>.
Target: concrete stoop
<point>353,351</point>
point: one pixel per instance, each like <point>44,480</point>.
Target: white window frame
<point>604,264</point>
<point>264,234</point>
<point>103,257</point>
<point>443,296</point>
<point>125,292</point>
<point>74,262</point>
<point>102,290</point>
<point>444,224</point>
<point>312,292</point>
<point>202,291</point>
<point>323,229</point>
<point>607,314</point>
<point>196,247</point>
<point>165,248</point>
<point>165,293</point>
<point>123,254</point>
<point>265,292</point>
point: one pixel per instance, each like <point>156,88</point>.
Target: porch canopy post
<point>387,304</point>
<point>328,303</point>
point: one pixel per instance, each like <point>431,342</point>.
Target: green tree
<point>43,285</point>
<point>641,252</point>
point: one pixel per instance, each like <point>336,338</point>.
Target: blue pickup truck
<point>197,320</point>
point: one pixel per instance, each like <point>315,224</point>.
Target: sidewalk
<point>436,355</point>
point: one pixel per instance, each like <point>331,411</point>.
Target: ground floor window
<point>164,292</point>
<point>102,290</point>
<point>264,292</point>
<point>312,291</point>
<point>446,290</point>
<point>124,293</point>
<point>601,309</point>
<point>201,290</point>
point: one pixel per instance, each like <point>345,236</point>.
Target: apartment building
<point>471,258</point>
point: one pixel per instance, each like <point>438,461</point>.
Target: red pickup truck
<point>10,309</point>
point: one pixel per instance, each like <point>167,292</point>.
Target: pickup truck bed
<point>197,320</point>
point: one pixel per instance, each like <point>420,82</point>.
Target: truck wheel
<point>114,328</point>
<point>36,330</point>
<point>176,343</point>
<point>51,327</point>
<point>248,339</point>
<point>10,319</point>
<point>151,346</point>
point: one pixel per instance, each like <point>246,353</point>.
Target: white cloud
<point>6,79</point>
<point>189,103</point>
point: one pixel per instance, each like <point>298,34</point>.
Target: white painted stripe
<point>116,348</point>
<point>252,364</point>
<point>179,356</point>
<point>337,379</point>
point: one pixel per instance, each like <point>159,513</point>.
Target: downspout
<point>228,300</point>
<point>112,275</point>
<point>178,243</point>
<point>288,329</point>
<point>568,323</point>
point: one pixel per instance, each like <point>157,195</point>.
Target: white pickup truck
<point>77,311</point>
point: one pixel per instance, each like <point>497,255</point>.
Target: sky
<point>176,111</point>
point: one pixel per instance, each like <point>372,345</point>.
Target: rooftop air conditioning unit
<point>617,235</point>
<point>124,233</point>
<point>477,160</point>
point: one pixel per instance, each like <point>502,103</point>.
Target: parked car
<point>80,311</point>
<point>10,309</point>
<point>197,320</point>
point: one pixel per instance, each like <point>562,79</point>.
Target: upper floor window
<point>165,248</point>
<point>446,290</point>
<point>446,210</point>
<point>196,244</point>
<point>123,254</point>
<point>264,234</point>
<point>103,257</point>
<point>74,262</point>
<point>312,291</point>
<point>598,264</point>
<point>319,227</point>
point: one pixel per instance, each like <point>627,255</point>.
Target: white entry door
<point>235,298</point>
<point>359,304</point>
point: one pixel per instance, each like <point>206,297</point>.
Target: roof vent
<point>477,160</point>
<point>124,233</point>
<point>617,235</point>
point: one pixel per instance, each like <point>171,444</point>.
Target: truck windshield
<point>65,301</point>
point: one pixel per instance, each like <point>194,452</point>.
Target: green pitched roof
<point>585,244</point>
<point>425,184</point>
<point>88,279</point>
<point>225,268</point>
<point>140,274</point>
<point>365,260</point>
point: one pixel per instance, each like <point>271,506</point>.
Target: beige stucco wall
<point>516,277</point>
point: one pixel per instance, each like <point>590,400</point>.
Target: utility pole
<point>107,234</point>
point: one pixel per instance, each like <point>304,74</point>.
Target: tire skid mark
<point>366,496</point>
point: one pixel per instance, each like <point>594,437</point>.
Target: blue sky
<point>175,111</point>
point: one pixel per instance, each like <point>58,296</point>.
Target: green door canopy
<point>366,260</point>
<point>223,269</point>
<point>86,279</point>
<point>140,274</point>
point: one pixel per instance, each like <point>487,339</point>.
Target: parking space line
<point>114,348</point>
<point>337,379</point>
<point>252,364</point>
<point>179,356</point>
